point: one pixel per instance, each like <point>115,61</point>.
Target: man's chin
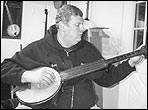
<point>77,41</point>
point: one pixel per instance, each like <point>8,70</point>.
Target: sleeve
<point>13,68</point>
<point>112,74</point>
<point>11,72</point>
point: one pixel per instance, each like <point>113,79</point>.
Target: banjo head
<point>34,96</point>
<point>13,30</point>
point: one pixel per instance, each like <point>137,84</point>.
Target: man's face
<point>73,30</point>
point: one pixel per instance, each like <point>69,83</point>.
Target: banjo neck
<point>8,13</point>
<point>98,65</point>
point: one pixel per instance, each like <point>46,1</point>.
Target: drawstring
<point>76,58</point>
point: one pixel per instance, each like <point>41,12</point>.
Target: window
<point>140,27</point>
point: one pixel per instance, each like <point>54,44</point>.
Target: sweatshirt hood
<point>51,38</point>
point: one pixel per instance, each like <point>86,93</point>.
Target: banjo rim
<point>44,98</point>
<point>42,101</point>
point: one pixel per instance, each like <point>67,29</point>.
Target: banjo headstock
<point>143,51</point>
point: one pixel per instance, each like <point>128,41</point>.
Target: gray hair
<point>66,11</point>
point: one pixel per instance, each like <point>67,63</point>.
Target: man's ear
<point>62,26</point>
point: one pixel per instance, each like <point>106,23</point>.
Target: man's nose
<point>82,28</point>
<point>89,24</point>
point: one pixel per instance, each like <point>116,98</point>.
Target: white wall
<point>33,25</point>
<point>108,14</point>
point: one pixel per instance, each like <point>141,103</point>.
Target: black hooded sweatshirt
<point>77,93</point>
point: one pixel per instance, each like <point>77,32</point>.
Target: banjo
<point>35,96</point>
<point>13,29</point>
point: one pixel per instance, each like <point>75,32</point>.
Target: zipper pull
<point>67,53</point>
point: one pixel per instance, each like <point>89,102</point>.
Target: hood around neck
<point>51,38</point>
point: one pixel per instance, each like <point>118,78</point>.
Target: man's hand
<point>135,60</point>
<point>40,76</point>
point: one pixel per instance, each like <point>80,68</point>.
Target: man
<point>63,48</point>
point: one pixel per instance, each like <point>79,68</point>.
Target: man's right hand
<point>41,76</point>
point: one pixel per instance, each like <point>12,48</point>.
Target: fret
<point>82,70</point>
<point>124,56</point>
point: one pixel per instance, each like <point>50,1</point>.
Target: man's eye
<point>77,25</point>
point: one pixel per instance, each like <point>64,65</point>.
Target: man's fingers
<point>48,77</point>
<point>49,74</point>
<point>47,81</point>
